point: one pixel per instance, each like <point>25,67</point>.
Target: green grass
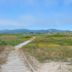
<point>12,39</point>
<point>53,47</point>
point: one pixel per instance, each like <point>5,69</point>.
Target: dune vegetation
<point>51,47</point>
<point>7,41</point>
<point>12,39</point>
<point>46,47</point>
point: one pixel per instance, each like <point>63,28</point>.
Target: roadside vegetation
<point>7,41</point>
<point>46,47</point>
<point>51,47</point>
<point>13,39</point>
<point>4,51</point>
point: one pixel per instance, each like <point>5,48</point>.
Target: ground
<point>52,51</point>
<point>52,47</point>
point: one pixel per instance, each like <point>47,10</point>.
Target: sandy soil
<point>56,67</point>
<point>14,64</point>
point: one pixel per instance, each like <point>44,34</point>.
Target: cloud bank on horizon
<point>36,14</point>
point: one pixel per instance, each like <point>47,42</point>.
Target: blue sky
<point>36,14</point>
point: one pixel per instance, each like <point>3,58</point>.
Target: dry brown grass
<point>50,48</point>
<point>12,39</point>
<point>4,51</point>
<point>8,37</point>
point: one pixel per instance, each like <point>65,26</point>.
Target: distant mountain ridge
<point>31,31</point>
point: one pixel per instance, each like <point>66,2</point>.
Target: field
<point>7,41</point>
<point>46,47</point>
<point>12,39</point>
<point>51,47</point>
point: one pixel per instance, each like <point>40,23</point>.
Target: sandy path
<point>14,63</point>
<point>24,43</point>
<point>56,67</point>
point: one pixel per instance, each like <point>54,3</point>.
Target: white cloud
<point>29,20</point>
<point>7,22</point>
<point>26,21</point>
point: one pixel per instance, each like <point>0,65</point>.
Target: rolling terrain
<point>48,52</point>
<point>27,31</point>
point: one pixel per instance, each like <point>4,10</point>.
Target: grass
<point>12,39</point>
<point>46,47</point>
<point>6,43</point>
<point>54,47</point>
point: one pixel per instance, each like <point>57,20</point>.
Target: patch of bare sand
<point>46,67</point>
<point>4,51</point>
<point>31,62</point>
<point>14,64</point>
<point>56,67</point>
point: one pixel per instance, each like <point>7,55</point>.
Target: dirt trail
<point>24,43</point>
<point>56,67</point>
<point>14,63</point>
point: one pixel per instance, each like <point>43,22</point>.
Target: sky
<point>36,14</point>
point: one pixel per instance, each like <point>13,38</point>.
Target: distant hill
<point>31,31</point>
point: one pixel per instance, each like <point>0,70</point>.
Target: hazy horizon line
<point>35,29</point>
